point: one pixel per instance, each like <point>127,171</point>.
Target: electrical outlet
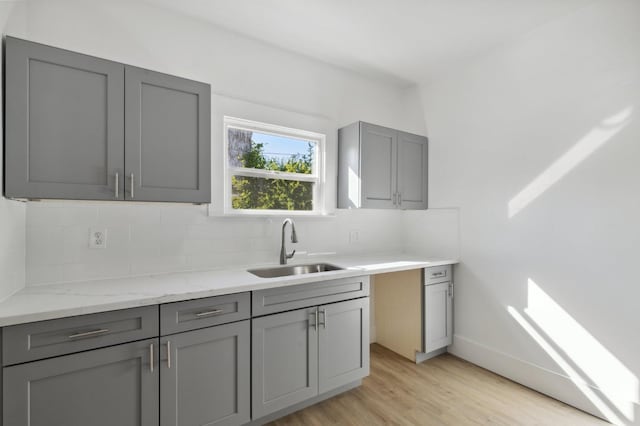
<point>354,237</point>
<point>97,238</point>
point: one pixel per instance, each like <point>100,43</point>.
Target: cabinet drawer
<point>199,313</point>
<point>299,296</point>
<point>38,340</point>
<point>437,274</point>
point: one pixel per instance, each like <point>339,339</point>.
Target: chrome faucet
<point>294,239</point>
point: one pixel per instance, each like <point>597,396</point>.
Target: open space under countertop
<point>37,303</point>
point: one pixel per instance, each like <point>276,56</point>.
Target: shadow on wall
<point>597,373</point>
<point>586,146</point>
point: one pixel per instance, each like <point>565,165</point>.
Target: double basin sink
<point>285,271</point>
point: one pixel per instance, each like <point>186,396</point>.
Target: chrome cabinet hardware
<point>86,334</point>
<point>168,354</point>
<point>151,357</point>
<point>209,313</point>
<point>438,274</point>
<point>314,324</point>
<point>399,198</point>
<point>117,184</point>
<point>132,185</point>
<point>324,318</point>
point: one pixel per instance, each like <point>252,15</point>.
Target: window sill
<point>270,214</point>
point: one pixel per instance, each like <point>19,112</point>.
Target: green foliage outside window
<point>273,194</point>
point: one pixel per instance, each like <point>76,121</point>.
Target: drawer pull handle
<point>438,274</point>
<point>92,333</point>
<point>209,313</point>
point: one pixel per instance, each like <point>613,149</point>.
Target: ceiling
<point>401,41</point>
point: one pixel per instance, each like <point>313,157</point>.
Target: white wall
<point>12,213</point>
<point>249,79</point>
<point>538,144</point>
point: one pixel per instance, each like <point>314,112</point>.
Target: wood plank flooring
<point>442,391</point>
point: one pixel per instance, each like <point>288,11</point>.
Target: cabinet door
<point>64,124</point>
<point>378,162</point>
<point>284,360</point>
<point>343,343</point>
<point>438,316</point>
<point>167,138</point>
<point>205,376</point>
<point>412,171</point>
<point>103,387</point>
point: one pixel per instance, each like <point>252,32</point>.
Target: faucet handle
<point>290,255</point>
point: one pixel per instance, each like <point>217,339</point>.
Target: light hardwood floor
<point>442,391</point>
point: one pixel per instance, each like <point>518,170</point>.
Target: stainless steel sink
<point>283,271</point>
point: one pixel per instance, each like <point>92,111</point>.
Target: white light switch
<point>97,238</point>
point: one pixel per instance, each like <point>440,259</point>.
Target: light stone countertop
<point>37,303</point>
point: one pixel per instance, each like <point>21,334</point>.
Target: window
<point>272,169</point>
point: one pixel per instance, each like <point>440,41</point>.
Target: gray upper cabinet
<point>103,387</point>
<point>64,124</point>
<point>381,168</point>
<point>343,343</point>
<point>412,171</point>
<point>168,155</point>
<point>205,376</point>
<point>80,127</point>
<point>378,166</point>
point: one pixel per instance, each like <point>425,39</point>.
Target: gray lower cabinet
<point>438,308</point>
<point>284,366</point>
<point>343,343</point>
<point>303,353</point>
<point>104,387</point>
<point>205,376</point>
<point>381,168</point>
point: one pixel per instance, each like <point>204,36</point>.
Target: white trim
<point>318,175</point>
<point>543,380</point>
<point>271,174</point>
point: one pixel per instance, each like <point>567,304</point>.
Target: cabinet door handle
<point>86,334</point>
<point>209,313</point>
<point>151,361</point>
<point>399,198</point>
<point>117,185</point>
<point>132,185</point>
<point>168,354</point>
<point>314,324</point>
<point>451,290</point>
<point>324,318</point>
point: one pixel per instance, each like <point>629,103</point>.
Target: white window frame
<point>317,176</point>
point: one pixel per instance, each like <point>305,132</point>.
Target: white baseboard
<point>545,381</point>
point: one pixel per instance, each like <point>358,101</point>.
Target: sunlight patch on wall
<point>585,360</point>
<point>586,146</point>
<point>574,376</point>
